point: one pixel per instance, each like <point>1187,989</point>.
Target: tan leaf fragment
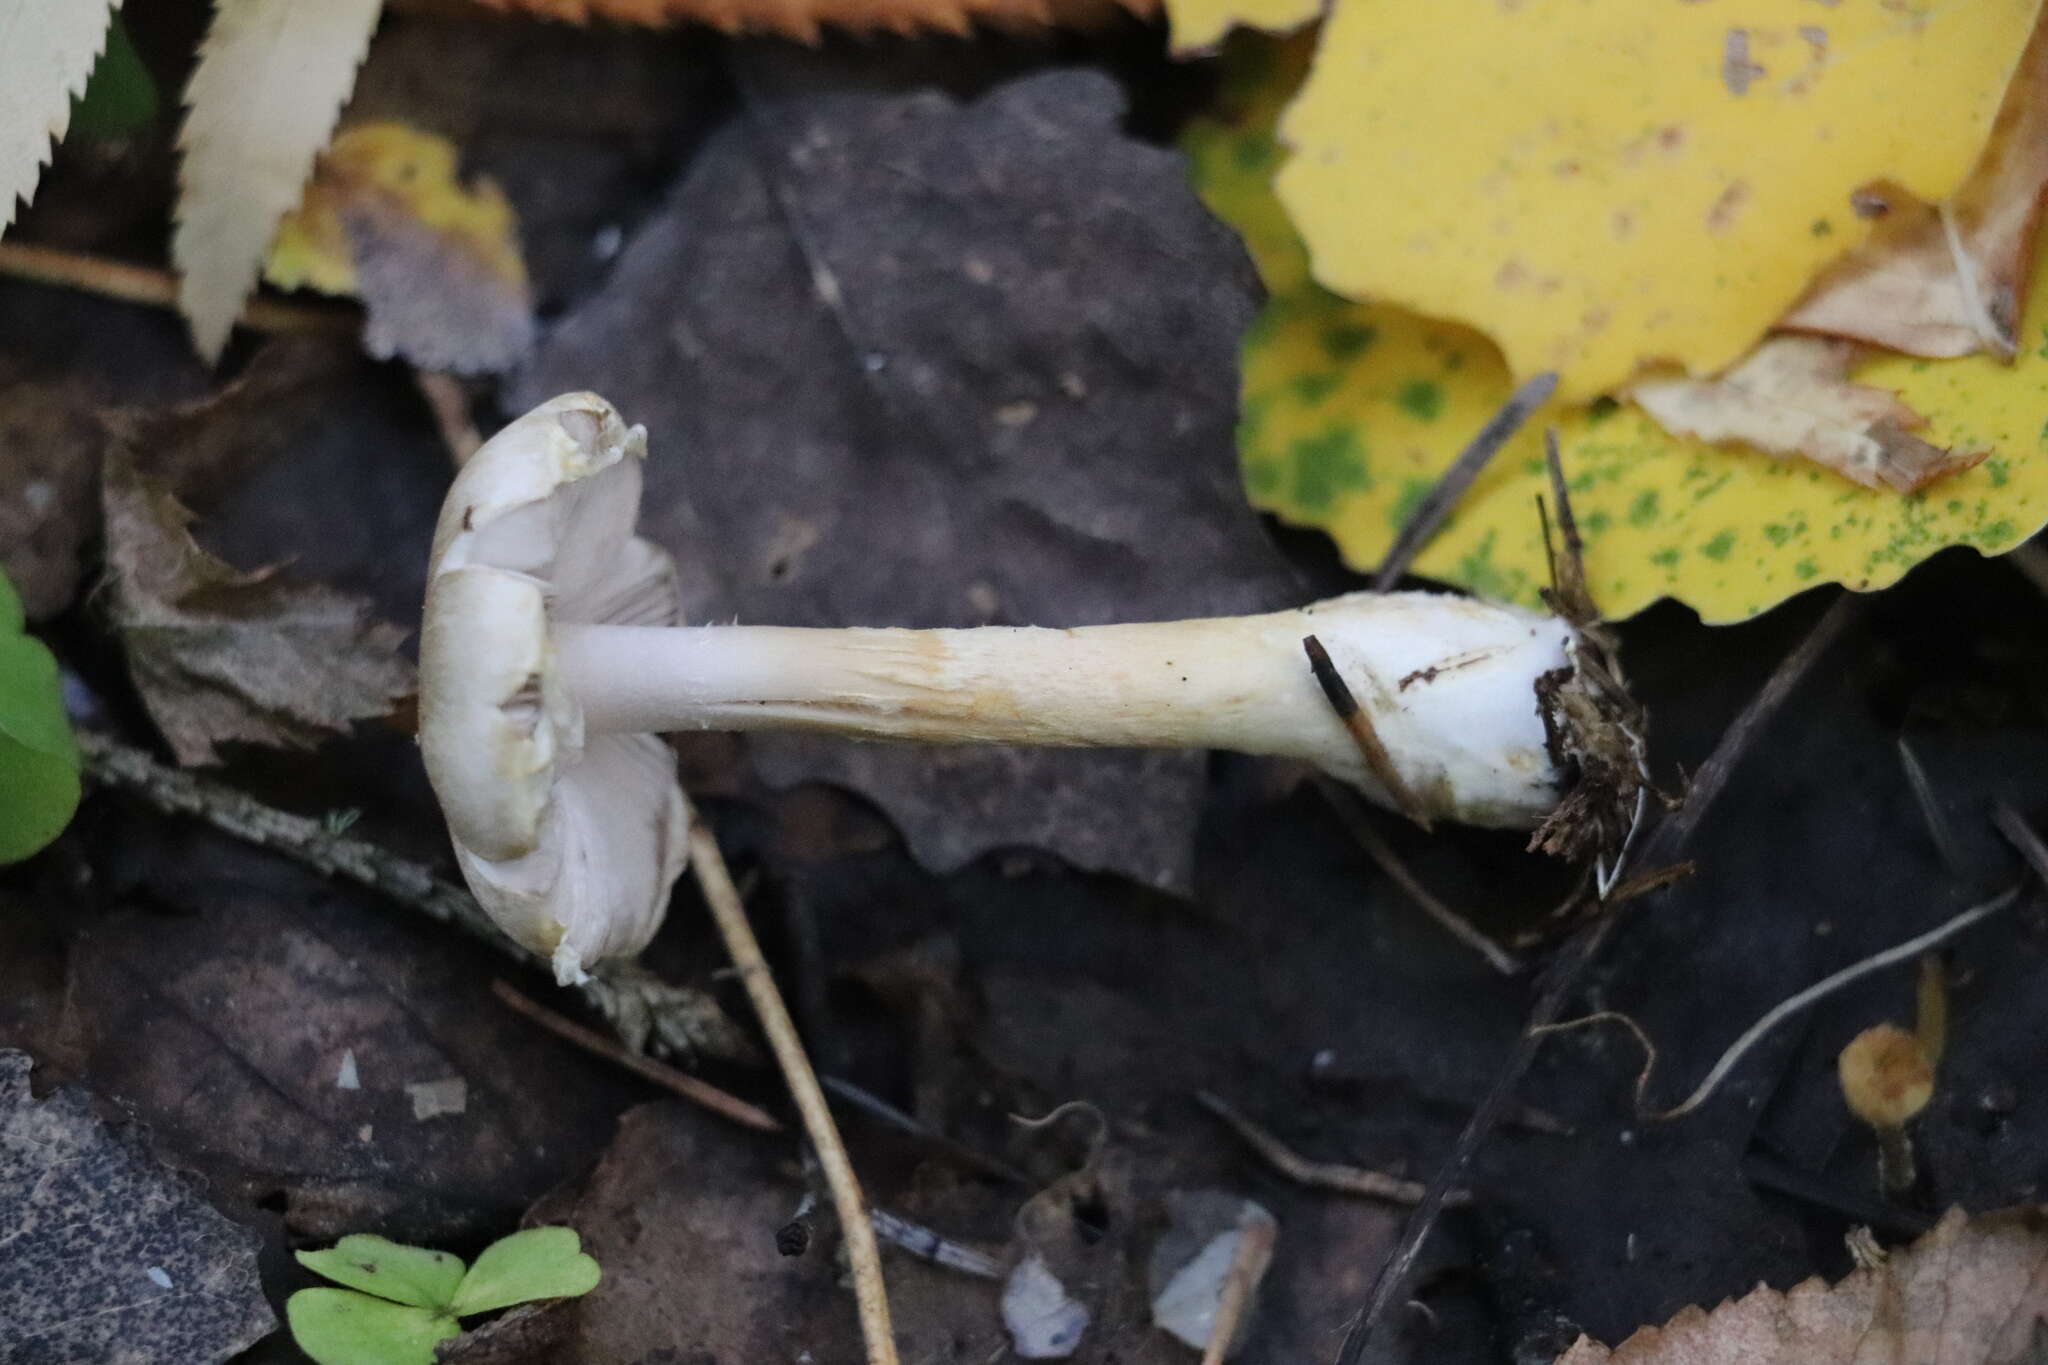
<point>47,51</point>
<point>1974,1291</point>
<point>1792,397</point>
<point>805,19</point>
<point>220,655</point>
<point>1947,280</point>
<point>271,80</point>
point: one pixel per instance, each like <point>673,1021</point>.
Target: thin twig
<point>660,1073</point>
<point>1358,820</point>
<point>1322,1175</point>
<point>1561,976</point>
<point>2021,836</point>
<point>1255,1236</point>
<point>156,288</point>
<point>1358,724</point>
<point>448,402</point>
<point>1930,810</point>
<point>1785,1009</point>
<point>864,1257</point>
<point>880,1109</point>
<point>1422,524</point>
<point>632,1006</point>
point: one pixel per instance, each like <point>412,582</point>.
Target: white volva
<point>549,662</point>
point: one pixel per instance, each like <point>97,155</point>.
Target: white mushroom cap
<point>570,842</point>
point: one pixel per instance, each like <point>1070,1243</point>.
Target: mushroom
<point>1887,1078</point>
<point>551,662</point>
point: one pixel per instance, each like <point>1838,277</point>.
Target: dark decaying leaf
<point>906,360</point>
<point>204,449</point>
<point>106,1256</point>
<point>49,450</point>
<point>52,434</point>
<point>271,1028</point>
<point>220,655</point>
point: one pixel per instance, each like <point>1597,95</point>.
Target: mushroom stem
<point>1450,686</point>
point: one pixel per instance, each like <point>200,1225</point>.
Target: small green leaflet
<point>402,1301</point>
<point>38,755</point>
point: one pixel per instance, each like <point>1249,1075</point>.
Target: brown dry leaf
<point>803,19</point>
<point>271,80</point>
<point>1792,397</point>
<point>1948,280</point>
<point>436,263</point>
<point>220,655</point>
<point>1972,1292</point>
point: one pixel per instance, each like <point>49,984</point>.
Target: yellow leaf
<point>270,83</point>
<point>436,263</point>
<point>47,48</point>
<point>1352,410</point>
<point>1199,26</point>
<point>1602,183</point>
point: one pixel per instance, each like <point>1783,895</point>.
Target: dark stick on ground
<point>1358,722</point>
<point>1428,516</point>
<point>1930,811</point>
<point>1561,976</point>
<point>879,1109</point>
<point>2021,836</point>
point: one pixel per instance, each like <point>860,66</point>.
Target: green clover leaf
<point>342,1327</point>
<point>539,1263</point>
<point>403,1301</point>
<point>390,1270</point>
<point>38,754</point>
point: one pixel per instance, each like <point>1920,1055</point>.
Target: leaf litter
<point>110,1256</point>
<point>1973,1292</point>
<point>1066,986</point>
<point>223,656</point>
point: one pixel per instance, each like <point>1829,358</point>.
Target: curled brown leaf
<point>1974,1291</point>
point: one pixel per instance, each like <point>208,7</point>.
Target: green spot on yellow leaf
<point>1345,340</point>
<point>1326,466</point>
<point>1719,546</point>
<point>1314,388</point>
<point>1421,399</point>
